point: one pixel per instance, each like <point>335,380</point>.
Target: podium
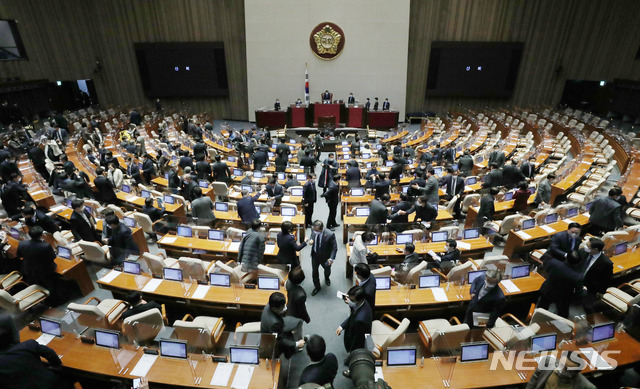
<point>327,110</point>
<point>297,116</point>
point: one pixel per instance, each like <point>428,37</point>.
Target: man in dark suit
<point>352,176</point>
<point>448,258</point>
<point>449,154</point>
<point>605,213</point>
<point>359,321</point>
<point>260,159</point>
<point>323,253</point>
<point>375,104</point>
<point>9,167</point>
<point>120,240</point>
<point>562,279</point>
<point>104,187</point>
<point>282,147</point>
<point>323,367</point>
<point>37,157</point>
<point>185,160</point>
<point>309,198</point>
<point>276,106</point>
<point>381,185</point>
<point>511,175</point>
<point>528,169</point>
<point>497,156</point>
<point>367,104</point>
<point>367,282</point>
<point>38,260</point>
<point>275,191</point>
<point>332,196</point>
<point>487,208</point>
<point>564,242</point>
<point>425,212</point>
<point>410,256</point>
<point>308,162</point>
<point>287,328</point>
<point>385,105</point>
<point>454,187</point>
<point>35,217</point>
<point>82,223</point>
<point>221,171</point>
<point>431,188</point>
<point>203,168</point>
<point>187,187</point>
<point>378,212</point>
<point>597,270</point>
<point>326,97</point>
<point>493,178</point>
<point>199,149</point>
<point>148,168</point>
<point>291,181</point>
<point>351,99</point>
<point>465,163</point>
<point>246,207</point>
<point>135,118</point>
<point>486,297</point>
<point>296,295</point>
<point>155,214</point>
<point>399,221</point>
<point>133,170</point>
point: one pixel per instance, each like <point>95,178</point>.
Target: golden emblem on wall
<point>327,40</point>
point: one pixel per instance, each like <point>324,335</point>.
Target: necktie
<point>573,242</point>
<point>586,265</point>
<point>86,218</point>
<point>530,168</point>
<point>317,243</point>
<point>453,190</point>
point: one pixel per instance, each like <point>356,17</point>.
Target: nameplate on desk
<point>548,229</point>
<point>168,239</point>
<point>44,339</point>
<point>378,374</point>
<point>132,198</point>
<point>510,286</point>
<point>269,248</point>
<point>222,374</point>
<point>523,235</point>
<point>152,285</point>
<point>439,294</point>
<point>464,245</point>
<point>110,276</point>
<point>144,365</point>
<point>201,292</point>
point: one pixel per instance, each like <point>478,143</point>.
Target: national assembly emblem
<point>327,40</point>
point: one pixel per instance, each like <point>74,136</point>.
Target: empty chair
<point>117,210</point>
<point>502,335</point>
<point>440,335</point>
<point>452,230</point>
<point>144,326</point>
<point>220,190</point>
<point>156,262</point>
<point>266,270</point>
<point>382,271</point>
<point>413,277</point>
<point>459,273</point>
<point>235,233</point>
<point>194,268</point>
<point>7,281</point>
<point>210,327</point>
<point>470,200</point>
<point>144,221</point>
<point>63,239</point>
<point>110,309</point>
<point>416,233</point>
<point>620,300</point>
<point>541,315</point>
<point>251,327</point>
<point>384,333</point>
<point>93,252</point>
<point>235,272</point>
<point>494,260</point>
<point>24,299</point>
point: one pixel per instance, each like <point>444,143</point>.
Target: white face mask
<point>351,304</point>
<point>489,285</point>
<point>574,235</point>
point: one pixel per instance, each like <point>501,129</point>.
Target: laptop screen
<point>621,248</point>
<point>257,174</point>
<point>288,211</point>
<point>68,202</point>
<point>361,211</point>
<point>357,191</point>
<point>571,212</point>
<point>301,177</point>
<point>184,231</point>
<point>470,181</point>
<point>64,252</point>
<point>551,218</point>
<point>231,158</point>
<point>472,275</point>
<point>172,274</point>
<point>88,209</point>
<point>15,234</point>
<point>470,352</point>
<point>545,342</point>
<point>401,356</point>
<point>131,267</point>
<point>471,233</point>
<point>437,171</point>
<point>389,163</point>
<point>439,236</point>
<point>602,332</point>
<point>243,355</point>
<point>520,271</point>
<point>374,242</point>
<point>220,279</point>
<point>281,176</point>
<point>145,194</point>
<point>129,222</point>
<point>366,156</point>
<point>247,187</point>
<point>346,150</point>
<point>296,192</point>
<point>106,338</point>
<point>508,196</point>
<point>430,281</point>
<point>222,207</point>
<point>169,199</point>
<point>269,283</point>
<point>404,238</point>
<point>368,165</point>
<point>383,283</point>
<point>588,206</point>
<point>455,165</point>
<point>528,223</point>
<point>173,348</point>
<point>479,159</point>
<point>50,326</point>
<point>257,208</point>
<point>216,235</point>
<point>405,189</point>
<point>203,184</point>
<point>237,172</point>
<point>126,189</point>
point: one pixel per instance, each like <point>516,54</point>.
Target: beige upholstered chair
<point>442,335</point>
<point>194,268</point>
<point>383,334</point>
<point>210,327</point>
<point>144,326</point>
<point>93,252</point>
<point>110,309</point>
<point>144,221</point>
<point>232,268</point>
<point>251,327</point>
<point>220,190</point>
<point>413,276</point>
<point>24,299</point>
<point>541,315</point>
<point>155,263</point>
<point>269,271</point>
<point>7,281</point>
<point>459,273</point>
<point>503,335</point>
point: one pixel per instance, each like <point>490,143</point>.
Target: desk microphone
<point>422,362</point>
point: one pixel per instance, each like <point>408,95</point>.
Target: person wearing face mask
<point>448,258</point>
<point>367,282</point>
<point>329,168</point>
<point>563,277</point>
<point>323,253</point>
<point>605,213</point>
<point>564,242</point>
<point>563,373</point>
<point>486,297</point>
<point>359,249</point>
<point>597,270</point>
<point>287,328</point>
<point>358,324</point>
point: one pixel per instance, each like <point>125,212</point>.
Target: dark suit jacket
<point>561,280</point>
<point>332,195</point>
<point>204,170</point>
<point>104,190</point>
<point>82,230</point>
<point>598,278</point>
<point>272,323</point>
<point>260,159</point>
<point>378,213</point>
<point>309,164</point>
<point>606,212</point>
<point>276,191</point>
<point>411,259</point>
<point>356,326</point>
<point>283,148</point>
<point>465,164</point>
<point>448,181</point>
<point>401,206</point>
<point>491,303</point>
<point>36,155</point>
<point>148,170</point>
<point>487,208</point>
<point>528,170</point>
<point>492,179</point>
<point>561,245</point>
<point>381,188</point>
<point>122,244</point>
<point>185,161</point>
<point>287,249</point>
<point>322,372</point>
<point>133,170</point>
<point>497,157</point>
<point>141,308</point>
<point>43,220</point>
<point>369,287</point>
<point>296,302</point>
<point>221,171</point>
<point>199,148</point>
<point>309,193</point>
<point>453,255</point>
<point>21,366</point>
<point>328,247</point>
<point>187,190</point>
<point>38,258</point>
<point>511,175</point>
<point>153,212</point>
<point>352,176</point>
<point>247,209</point>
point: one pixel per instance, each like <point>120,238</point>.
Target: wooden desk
<point>137,202</point>
<point>225,249</point>
<point>38,189</point>
<point>571,180</point>
<point>501,210</point>
<point>394,138</point>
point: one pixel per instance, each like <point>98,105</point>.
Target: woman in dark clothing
<point>281,162</point>
<point>287,246</point>
<point>521,198</point>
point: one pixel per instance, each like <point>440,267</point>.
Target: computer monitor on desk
<point>401,356</point>
<point>473,352</point>
<point>404,238</point>
<point>222,207</point>
<point>244,354</point>
<point>145,194</point>
<point>107,338</point>
<point>620,248</point>
<point>50,326</point>
<point>508,196</point>
<point>172,274</point>
<point>383,283</point>
<point>542,343</point>
<point>389,163</point>
<point>603,332</point>
<point>269,283</point>
<point>64,252</point>
<point>472,275</point>
<point>471,233</point>
<point>551,218</point>
<point>429,281</point>
<point>362,211</point>
<point>470,180</point>
<point>288,211</point>
<point>184,231</point>
<point>220,279</point>
<point>231,158</point>
<point>528,224</point>
<point>203,184</point>
<point>520,271</point>
<point>131,267</point>
<point>173,348</point>
<point>439,236</point>
<point>246,187</point>
<point>357,191</point>
<point>257,174</point>
<point>129,222</point>
<point>168,199</point>
<point>215,235</point>
<point>301,176</point>
<point>366,156</point>
<point>238,172</point>
<point>571,212</point>
<point>281,176</point>
<point>296,192</point>
<point>126,188</point>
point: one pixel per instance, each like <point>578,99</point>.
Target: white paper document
<point>144,365</point>
<point>464,245</point>
<point>548,229</point>
<point>37,192</point>
<point>242,379</point>
<point>595,360</point>
<point>286,218</point>
<point>439,294</point>
<point>152,285</point>
<point>110,276</point>
<point>523,235</point>
<point>234,246</point>
<point>222,374</point>
<point>378,374</point>
<point>286,198</point>
<point>132,198</point>
<point>263,217</point>
<point>168,239</point>
<point>510,286</point>
<point>57,208</point>
<point>44,339</point>
<point>200,292</point>
<point>269,248</point>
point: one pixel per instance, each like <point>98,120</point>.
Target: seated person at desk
<point>187,187</point>
<point>202,209</point>
<point>138,305</point>
<point>246,207</point>
<point>323,367</point>
<point>155,214</point>
<point>486,298</point>
<point>82,223</point>
<point>359,249</point>
<point>448,259</point>
<point>291,181</point>
<point>14,195</point>
<point>247,179</point>
<point>36,217</point>
<point>381,185</point>
<point>120,240</point>
<point>373,171</point>
<point>21,365</point>
<point>425,212</point>
<point>566,373</point>
<point>275,191</point>
<point>288,328</point>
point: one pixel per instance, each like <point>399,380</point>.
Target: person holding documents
<point>487,300</point>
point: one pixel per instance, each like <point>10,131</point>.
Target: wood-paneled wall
<point>63,38</point>
<point>589,39</point>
